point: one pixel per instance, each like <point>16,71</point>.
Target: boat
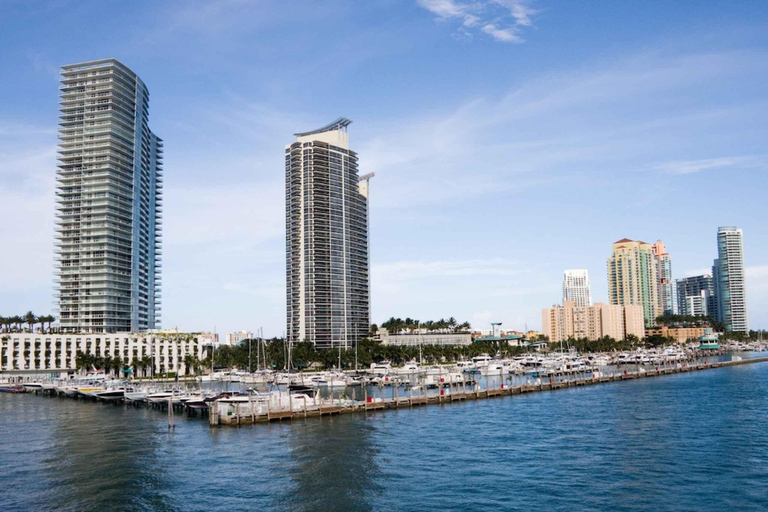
<point>381,369</point>
<point>408,369</point>
<point>33,386</point>
<point>135,396</point>
<point>12,389</point>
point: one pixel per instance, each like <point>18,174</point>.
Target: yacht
<point>466,366</point>
<point>381,369</point>
<point>408,369</point>
<point>481,361</point>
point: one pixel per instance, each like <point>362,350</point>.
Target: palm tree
<point>117,365</point>
<point>31,320</point>
<point>19,321</point>
<point>146,362</point>
<point>46,319</point>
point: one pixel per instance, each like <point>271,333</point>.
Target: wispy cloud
<point>503,20</point>
<point>681,167</point>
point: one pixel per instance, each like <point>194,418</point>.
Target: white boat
<point>410,368</point>
<point>33,386</point>
<point>466,366</point>
<point>135,396</point>
<point>159,397</point>
<point>381,369</point>
<point>492,368</point>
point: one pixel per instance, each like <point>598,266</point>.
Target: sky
<point>511,140</point>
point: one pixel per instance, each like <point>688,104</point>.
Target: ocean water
<point>694,441</point>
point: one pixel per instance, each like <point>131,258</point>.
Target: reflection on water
<point>695,441</point>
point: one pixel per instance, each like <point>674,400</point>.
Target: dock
<point>456,393</point>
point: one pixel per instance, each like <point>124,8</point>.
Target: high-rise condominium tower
<point>576,287</point>
<point>632,277</point>
<point>327,267</point>
<point>729,279</point>
<point>664,275</point>
<point>109,198</point>
<point>696,296</point>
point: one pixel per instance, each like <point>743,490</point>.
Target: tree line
<point>395,325</point>
<point>609,344</point>
<point>140,367</point>
<point>304,354</point>
<point>16,323</point>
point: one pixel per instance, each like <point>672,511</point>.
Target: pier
<point>458,392</point>
<point>278,406</point>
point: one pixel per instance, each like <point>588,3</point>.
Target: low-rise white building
<point>430,338</point>
<point>35,352</point>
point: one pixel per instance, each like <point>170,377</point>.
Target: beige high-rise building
<point>632,277</point>
<point>592,322</point>
<point>612,320</point>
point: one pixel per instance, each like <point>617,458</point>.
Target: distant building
<point>234,338</point>
<point>414,340</point>
<point>514,340</point>
<point>576,287</point>
<point>664,278</point>
<point>632,277</point>
<point>592,322</point>
<point>327,246</point>
<point>679,334</point>
<point>696,296</point>
<point>730,279</point>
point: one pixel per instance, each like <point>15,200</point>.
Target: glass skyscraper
<point>327,265</point>
<point>729,279</point>
<point>109,201</point>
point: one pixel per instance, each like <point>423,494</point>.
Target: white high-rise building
<point>327,266</point>
<point>576,287</point>
<point>729,279</point>
<point>109,197</point>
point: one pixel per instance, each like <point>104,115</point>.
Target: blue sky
<point>511,140</point>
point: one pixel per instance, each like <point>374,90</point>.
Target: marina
<point>235,398</point>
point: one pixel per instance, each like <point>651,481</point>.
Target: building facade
<point>679,334</point>
<point>560,323</point>
<point>632,277</point>
<point>666,285</point>
<point>696,296</point>
<point>233,338</point>
<point>729,279</point>
<point>35,352</point>
<point>109,202</point>
<point>417,339</point>
<point>327,246</point>
<point>576,287</point>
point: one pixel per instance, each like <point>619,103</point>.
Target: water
<point>693,441</point>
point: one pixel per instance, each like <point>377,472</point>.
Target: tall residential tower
<point>729,279</point>
<point>632,277</point>
<point>327,266</point>
<point>576,287</point>
<point>664,276</point>
<point>109,201</point>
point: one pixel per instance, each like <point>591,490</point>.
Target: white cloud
<point>681,167</point>
<point>501,19</point>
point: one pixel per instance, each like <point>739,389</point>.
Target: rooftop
<point>339,124</point>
